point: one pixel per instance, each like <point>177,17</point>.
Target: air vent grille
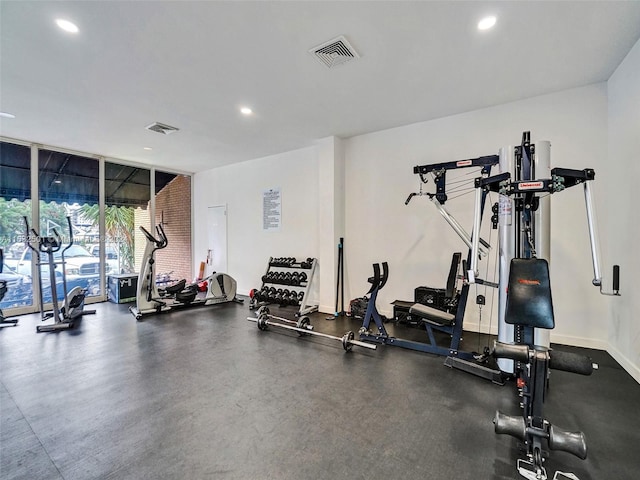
<point>161,128</point>
<point>337,51</point>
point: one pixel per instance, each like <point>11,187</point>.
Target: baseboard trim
<point>624,362</point>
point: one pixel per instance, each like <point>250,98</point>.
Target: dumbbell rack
<point>305,287</point>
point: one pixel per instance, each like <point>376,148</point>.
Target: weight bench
<point>433,319</point>
<point>529,305</point>
<point>436,316</point>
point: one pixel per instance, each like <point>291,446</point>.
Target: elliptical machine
<point>73,301</point>
<point>4,322</point>
<point>220,287</point>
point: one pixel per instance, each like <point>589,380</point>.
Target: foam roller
<point>519,353</point>
<point>571,362</point>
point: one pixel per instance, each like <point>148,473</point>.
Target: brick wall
<point>173,209</point>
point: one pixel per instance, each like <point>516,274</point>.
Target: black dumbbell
<point>303,277</point>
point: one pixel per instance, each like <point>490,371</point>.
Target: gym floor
<point>202,393</point>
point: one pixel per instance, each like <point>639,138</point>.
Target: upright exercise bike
<point>73,302</point>
<point>220,287</point>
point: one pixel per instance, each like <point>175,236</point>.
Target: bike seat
<point>175,288</point>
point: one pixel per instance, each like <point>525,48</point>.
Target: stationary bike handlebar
<point>44,247</point>
<point>160,242</point>
<point>70,236</point>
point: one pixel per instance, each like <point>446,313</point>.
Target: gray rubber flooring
<point>202,393</point>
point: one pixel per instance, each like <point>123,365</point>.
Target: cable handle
<point>595,246</point>
<point>411,195</point>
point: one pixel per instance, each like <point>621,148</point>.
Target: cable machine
<point>446,319</point>
<point>525,313</point>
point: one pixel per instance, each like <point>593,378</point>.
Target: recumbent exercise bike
<point>220,287</point>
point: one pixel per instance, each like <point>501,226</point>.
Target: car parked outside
<point>81,268</point>
<point>111,255</point>
<point>18,287</point>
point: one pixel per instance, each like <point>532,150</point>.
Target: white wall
<point>240,187</point>
<point>621,220</point>
<point>416,241</point>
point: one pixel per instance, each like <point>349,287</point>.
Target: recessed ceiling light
<point>66,25</point>
<point>7,115</point>
<point>147,148</point>
<point>57,181</point>
<point>246,111</point>
<point>486,23</point>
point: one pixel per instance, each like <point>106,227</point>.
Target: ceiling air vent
<point>334,52</point>
<point>161,128</point>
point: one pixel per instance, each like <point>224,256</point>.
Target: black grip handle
<point>570,442</point>
<point>616,278</point>
<point>510,425</point>
<point>519,353</point>
<point>411,195</point>
<point>570,362</point>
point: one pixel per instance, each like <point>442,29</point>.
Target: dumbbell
<point>303,277</point>
<point>295,278</point>
<point>284,297</point>
<point>272,294</point>
<point>293,299</point>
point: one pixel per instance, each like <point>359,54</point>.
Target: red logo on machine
<point>464,163</point>
<point>525,281</point>
<point>530,185</point>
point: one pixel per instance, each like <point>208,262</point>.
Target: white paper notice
<point>271,209</point>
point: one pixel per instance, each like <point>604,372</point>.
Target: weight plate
<point>346,341</point>
<point>262,322</point>
<point>303,323</point>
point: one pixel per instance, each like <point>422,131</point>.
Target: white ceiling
<point>193,64</point>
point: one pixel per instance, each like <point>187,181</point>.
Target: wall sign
<point>272,209</point>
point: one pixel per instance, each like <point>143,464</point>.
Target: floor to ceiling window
<point>106,239</point>
<point>127,204</point>
<point>69,197</point>
<point>15,204</point>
